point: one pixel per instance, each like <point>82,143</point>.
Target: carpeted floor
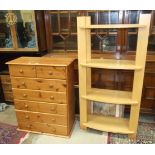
<point>10,135</point>
<point>145,135</point>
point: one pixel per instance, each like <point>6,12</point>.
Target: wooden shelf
<point>109,124</point>
<point>112,64</point>
<point>110,96</point>
<point>113,26</point>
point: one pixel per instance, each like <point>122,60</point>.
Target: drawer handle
<point>39,80</point>
<point>53,119</point>
<point>50,73</point>
<point>26,106</point>
<point>57,89</point>
<point>51,97</point>
<point>24,95</point>
<point>51,86</point>
<point>53,130</point>
<point>27,117</point>
<point>29,126</point>
<point>23,83</point>
<point>20,71</point>
<point>53,108</point>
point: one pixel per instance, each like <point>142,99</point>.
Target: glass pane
<point>74,22</point>
<point>64,22</point>
<point>151,43</point>
<point>72,43</point>
<point>25,29</point>
<point>114,17</point>
<point>5,33</point>
<point>104,17</point>
<point>104,44</point>
<point>132,42</point>
<point>58,43</point>
<point>54,22</point>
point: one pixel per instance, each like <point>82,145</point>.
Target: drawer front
<point>26,105</point>
<point>42,96</point>
<point>52,108</point>
<point>21,70</point>
<point>43,107</point>
<point>8,96</point>
<point>39,84</point>
<point>23,116</point>
<point>44,128</point>
<point>51,72</point>
<point>7,87</point>
<point>5,79</point>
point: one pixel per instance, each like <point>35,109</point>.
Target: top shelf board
<point>114,26</point>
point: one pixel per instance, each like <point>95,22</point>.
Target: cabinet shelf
<point>112,64</point>
<point>110,96</point>
<point>109,124</point>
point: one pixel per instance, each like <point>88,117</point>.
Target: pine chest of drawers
<point>43,94</point>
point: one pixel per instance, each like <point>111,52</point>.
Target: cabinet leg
<point>132,136</point>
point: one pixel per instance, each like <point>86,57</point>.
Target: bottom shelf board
<point>108,124</point>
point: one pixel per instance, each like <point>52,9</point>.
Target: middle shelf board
<point>112,64</point>
<point>110,96</point>
<point>109,124</point>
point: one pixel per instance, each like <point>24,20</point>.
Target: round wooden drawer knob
<point>27,117</point>
<point>20,71</point>
<point>53,108</point>
<point>29,126</point>
<point>24,95</point>
<point>53,130</point>
<point>26,106</point>
<point>53,119</point>
<point>51,86</point>
<point>51,97</point>
<point>23,83</point>
<point>50,73</point>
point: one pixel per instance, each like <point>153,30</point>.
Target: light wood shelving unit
<point>88,94</point>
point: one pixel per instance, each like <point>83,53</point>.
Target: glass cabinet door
<point>25,29</point>
<point>6,41</point>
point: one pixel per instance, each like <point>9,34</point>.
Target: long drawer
<point>42,96</point>
<point>39,84</point>
<point>44,128</point>
<point>44,107</point>
<point>23,116</point>
<point>22,70</point>
<point>51,72</point>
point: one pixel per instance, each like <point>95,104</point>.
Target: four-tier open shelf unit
<point>88,94</point>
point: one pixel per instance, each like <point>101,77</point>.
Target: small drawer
<point>51,72</point>
<point>41,96</point>
<point>22,70</point>
<point>39,84</point>
<point>26,105</point>
<point>40,117</point>
<point>44,128</point>
<point>52,108</point>
<point>5,79</point>
<point>7,87</point>
<point>8,96</point>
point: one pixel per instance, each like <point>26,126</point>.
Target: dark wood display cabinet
<point>22,33</point>
<point>61,33</point>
